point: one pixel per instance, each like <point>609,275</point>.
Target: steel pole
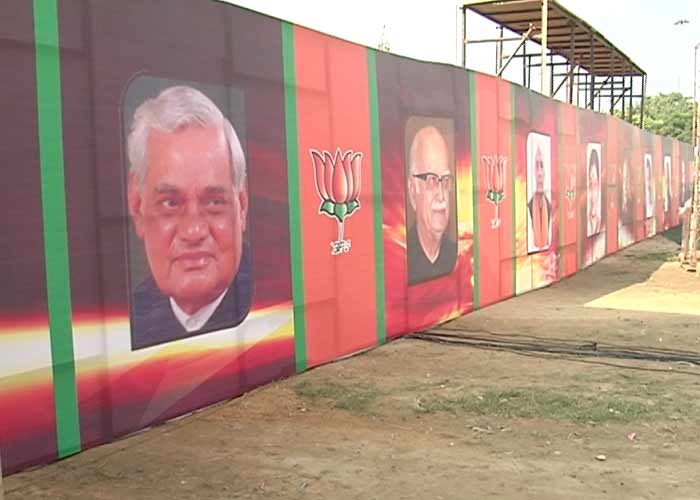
<point>543,44</point>
<point>695,204</point>
<point>695,102</point>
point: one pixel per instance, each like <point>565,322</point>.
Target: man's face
<point>189,215</point>
<point>429,199</point>
<point>539,172</point>
<point>647,173</point>
<point>593,186</point>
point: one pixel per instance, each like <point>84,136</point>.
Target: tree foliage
<point>670,115</point>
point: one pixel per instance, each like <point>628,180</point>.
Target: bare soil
<point>422,420</point>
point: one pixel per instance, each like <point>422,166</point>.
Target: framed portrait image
<point>684,184</point>
<point>667,183</point>
<point>190,265</point>
<point>539,192</point>
<point>594,216</point>
<point>649,191</point>
<point>431,226</point>
<point>626,201</point>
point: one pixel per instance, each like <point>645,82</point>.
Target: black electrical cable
<point>449,331</point>
<point>567,347</point>
<point>597,362</point>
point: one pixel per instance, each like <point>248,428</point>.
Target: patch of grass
<point>355,398</point>
<point>653,256</point>
<point>565,404</point>
<point>674,234</point>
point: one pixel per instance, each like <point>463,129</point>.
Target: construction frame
<point>574,57</point>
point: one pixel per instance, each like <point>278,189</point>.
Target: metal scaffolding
<point>574,58</point>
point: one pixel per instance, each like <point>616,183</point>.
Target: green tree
<point>670,115</point>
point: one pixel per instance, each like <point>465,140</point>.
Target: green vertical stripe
<point>290,119</point>
<point>377,195</point>
<point>562,194</point>
<point>48,88</point>
<point>513,172</point>
<point>475,185</point>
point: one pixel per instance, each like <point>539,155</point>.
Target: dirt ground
<point>422,420</point>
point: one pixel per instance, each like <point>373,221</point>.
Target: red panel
<point>492,175</point>
<point>332,113</point>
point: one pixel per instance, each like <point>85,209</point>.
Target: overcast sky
<point>643,29</point>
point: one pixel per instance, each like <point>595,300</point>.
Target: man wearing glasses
<point>431,253</point>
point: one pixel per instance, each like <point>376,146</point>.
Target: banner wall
<point>200,199</point>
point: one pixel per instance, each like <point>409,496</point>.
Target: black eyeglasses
<point>432,180</point>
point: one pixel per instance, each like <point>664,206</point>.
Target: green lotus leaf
<point>352,206</point>
<point>328,207</point>
<point>341,210</point>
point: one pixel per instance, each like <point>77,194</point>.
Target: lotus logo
<point>495,170</point>
<point>570,193</point>
<point>338,181</point>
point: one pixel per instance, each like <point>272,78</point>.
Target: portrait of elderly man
<point>539,206</point>
<point>626,194</point>
<point>594,204</point>
<point>684,184</point>
<point>432,251</point>
<point>667,183</point>
<point>649,191</point>
<point>188,202</point>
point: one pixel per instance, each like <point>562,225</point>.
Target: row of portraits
<point>539,190</point>
<point>190,261</point>
<point>186,192</point>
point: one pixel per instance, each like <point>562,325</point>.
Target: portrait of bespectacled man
<point>431,240</point>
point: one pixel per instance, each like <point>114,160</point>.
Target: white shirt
<point>194,322</point>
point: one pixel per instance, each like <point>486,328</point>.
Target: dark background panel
<point>22,244</point>
<point>208,43</point>
<point>407,89</point>
<point>105,47</point>
<point>592,129</point>
<point>27,424</point>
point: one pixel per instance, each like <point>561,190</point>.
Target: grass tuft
<point>653,256</point>
<point>355,398</point>
<point>621,407</point>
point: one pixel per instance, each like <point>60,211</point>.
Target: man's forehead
<point>432,155</point>
<point>193,151</point>
<point>192,139</point>
<point>167,187</point>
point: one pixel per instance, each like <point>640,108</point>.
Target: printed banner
<point>426,182</point>
<point>188,217</point>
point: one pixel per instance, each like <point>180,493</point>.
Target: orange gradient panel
<point>332,114</point>
<point>493,174</point>
<point>613,165</point>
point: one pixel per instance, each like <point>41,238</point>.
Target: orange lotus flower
<point>337,178</point>
<point>495,169</point>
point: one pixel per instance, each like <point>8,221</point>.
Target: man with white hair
<point>188,201</point>
<point>539,208</point>
<point>431,253</point>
